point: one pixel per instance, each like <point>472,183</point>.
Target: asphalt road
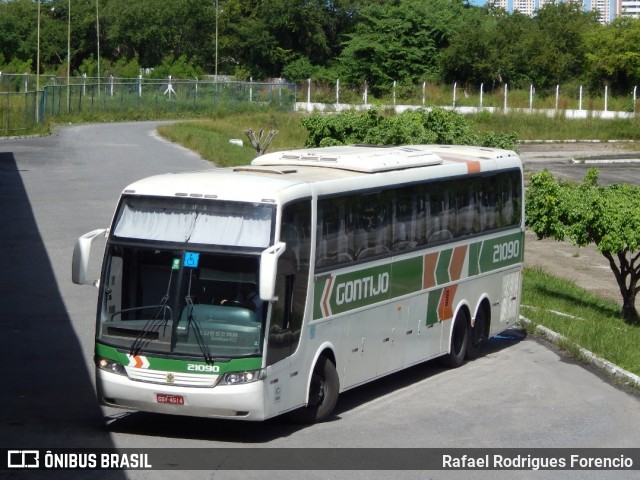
<point>520,393</point>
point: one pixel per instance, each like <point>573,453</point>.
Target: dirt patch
<point>586,267</point>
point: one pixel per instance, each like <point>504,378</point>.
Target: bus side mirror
<point>269,269</point>
<point>81,254</point>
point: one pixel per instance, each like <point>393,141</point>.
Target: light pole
<point>69,58</point>
<point>98,43</point>
<point>38,68</point>
<point>216,62</point>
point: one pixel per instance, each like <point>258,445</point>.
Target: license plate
<point>169,399</point>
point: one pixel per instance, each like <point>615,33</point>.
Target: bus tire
<point>477,335</point>
<point>459,341</point>
<point>323,393</point>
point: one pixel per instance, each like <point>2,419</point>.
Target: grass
<point>210,138</point>
<point>586,320</point>
<point>541,127</point>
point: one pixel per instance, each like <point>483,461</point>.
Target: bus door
<point>287,374</point>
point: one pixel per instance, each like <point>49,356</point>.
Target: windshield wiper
<point>197,331</point>
<point>151,326</point>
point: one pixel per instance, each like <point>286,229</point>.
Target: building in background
<point>628,8</point>
<point>605,8</point>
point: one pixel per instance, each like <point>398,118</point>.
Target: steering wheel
<point>232,303</point>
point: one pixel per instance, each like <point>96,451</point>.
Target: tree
<point>589,213</point>
<point>557,51</point>
<point>399,41</point>
<point>613,55</point>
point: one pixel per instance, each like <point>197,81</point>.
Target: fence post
<point>139,86</point>
<point>308,94</point>
<point>481,93</point>
<point>364,97</point>
<point>424,93</point>
<point>506,89</point>
<point>250,89</point>
<point>111,85</point>
<point>455,86</point>
<point>557,95</point>
<point>531,91</point>
<point>634,98</point>
<point>580,100</point>
<point>606,97</point>
<point>337,91</point>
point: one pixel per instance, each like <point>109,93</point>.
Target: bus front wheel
<point>323,393</point>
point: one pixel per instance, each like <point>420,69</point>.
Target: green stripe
<point>432,306</point>
<point>474,256</point>
<point>173,365</point>
<point>361,288</point>
<point>442,270</point>
<point>406,276</point>
<point>501,252</point>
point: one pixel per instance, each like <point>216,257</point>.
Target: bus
<point>249,292</point>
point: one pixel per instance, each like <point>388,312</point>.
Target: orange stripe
<point>325,300</point>
<point>473,166</point>
<point>429,275</point>
<point>457,261</point>
<point>445,310</point>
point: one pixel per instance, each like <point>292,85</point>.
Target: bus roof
<point>373,159</point>
<point>327,170</point>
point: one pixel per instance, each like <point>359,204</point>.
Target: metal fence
<point>18,112</point>
<point>22,108</point>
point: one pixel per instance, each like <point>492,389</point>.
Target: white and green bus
<point>248,292</point>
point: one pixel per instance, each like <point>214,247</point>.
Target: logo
<point>170,377</point>
<point>23,459</point>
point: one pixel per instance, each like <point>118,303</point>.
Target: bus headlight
<point>237,378</point>
<point>110,366</point>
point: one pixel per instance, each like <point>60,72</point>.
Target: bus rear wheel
<point>459,341</point>
<point>323,393</point>
<point>476,335</point>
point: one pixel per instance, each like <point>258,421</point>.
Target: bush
<point>410,127</point>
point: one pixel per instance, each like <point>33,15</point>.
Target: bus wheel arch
<point>459,338</point>
<point>479,332</point>
<point>323,390</point>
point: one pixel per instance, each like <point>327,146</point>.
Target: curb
<point>613,159</point>
<point>587,356</point>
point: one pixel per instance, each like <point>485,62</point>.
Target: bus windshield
<point>198,304</point>
<point>186,220</point>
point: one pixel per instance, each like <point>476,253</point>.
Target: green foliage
<point>378,42</point>
<point>398,41</point>
<point>15,65</point>
<point>607,216</point>
<point>613,55</point>
<point>298,70</point>
<point>410,127</point>
<point>177,68</point>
